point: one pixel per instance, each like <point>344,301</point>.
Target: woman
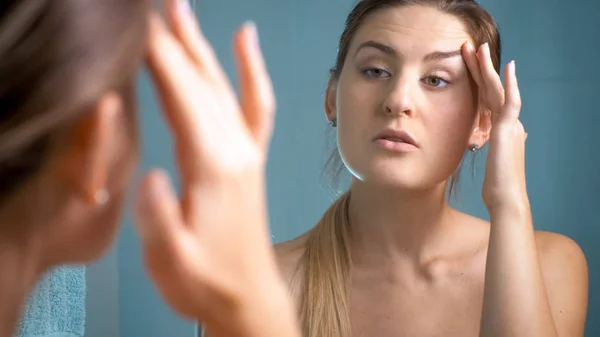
<point>68,144</point>
<point>408,95</point>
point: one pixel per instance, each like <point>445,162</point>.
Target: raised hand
<point>504,185</point>
<point>209,253</point>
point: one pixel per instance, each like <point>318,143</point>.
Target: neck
<point>20,262</point>
<point>390,225</point>
<point>18,276</point>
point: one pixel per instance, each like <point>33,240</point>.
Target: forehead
<point>413,29</point>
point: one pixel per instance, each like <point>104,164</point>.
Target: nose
<point>399,99</point>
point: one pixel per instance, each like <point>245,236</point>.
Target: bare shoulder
<point>288,255</point>
<point>565,271</point>
<point>559,252</point>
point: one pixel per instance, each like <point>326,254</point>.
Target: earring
<point>333,122</point>
<point>101,197</point>
<point>474,148</point>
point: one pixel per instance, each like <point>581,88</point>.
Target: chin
<point>391,176</point>
<point>402,173</point>
<point>86,240</point>
<point>397,171</point>
<point>395,180</point>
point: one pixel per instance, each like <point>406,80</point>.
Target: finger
<point>160,227</point>
<point>472,62</point>
<point>187,30</point>
<point>512,103</point>
<point>177,86</point>
<point>257,97</point>
<point>494,90</point>
<point>159,221</point>
<point>166,60</point>
<point>190,38</point>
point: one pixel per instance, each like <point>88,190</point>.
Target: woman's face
<point>405,104</point>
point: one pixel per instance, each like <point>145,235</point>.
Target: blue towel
<point>56,307</point>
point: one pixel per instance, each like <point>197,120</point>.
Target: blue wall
<point>556,53</point>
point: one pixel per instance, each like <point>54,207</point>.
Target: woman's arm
<point>532,288</point>
<point>565,272</point>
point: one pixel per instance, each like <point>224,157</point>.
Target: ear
<point>330,101</point>
<point>86,151</point>
<point>481,129</point>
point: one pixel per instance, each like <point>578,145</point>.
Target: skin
<point>419,266</point>
<point>222,150</point>
<point>187,240</point>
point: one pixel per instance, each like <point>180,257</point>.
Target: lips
<point>396,136</point>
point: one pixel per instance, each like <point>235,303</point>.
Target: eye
<point>376,73</point>
<point>435,81</point>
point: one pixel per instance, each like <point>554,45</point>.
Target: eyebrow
<point>389,50</point>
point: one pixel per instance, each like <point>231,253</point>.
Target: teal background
<point>556,49</point>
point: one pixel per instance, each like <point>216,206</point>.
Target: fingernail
<point>150,199</point>
<point>513,67</point>
<point>184,6</point>
<point>158,189</point>
<point>486,48</point>
<point>469,46</point>
<point>253,39</point>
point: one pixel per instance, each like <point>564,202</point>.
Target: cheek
<point>453,130</point>
<point>448,133</point>
<point>357,102</point>
<point>355,113</point>
<point>350,131</point>
<point>452,125</point>
<point>453,120</point>
<point>354,110</point>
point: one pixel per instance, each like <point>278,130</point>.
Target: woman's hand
<point>504,187</point>
<point>210,253</point>
<point>516,297</point>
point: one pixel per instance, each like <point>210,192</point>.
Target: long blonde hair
<point>324,273</point>
<point>324,270</point>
